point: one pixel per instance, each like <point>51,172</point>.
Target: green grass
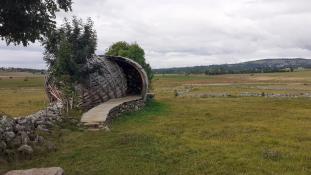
<point>174,135</point>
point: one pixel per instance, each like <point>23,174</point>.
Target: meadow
<point>186,133</point>
<point>21,93</point>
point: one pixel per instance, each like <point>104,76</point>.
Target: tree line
<point>248,67</point>
<point>13,69</point>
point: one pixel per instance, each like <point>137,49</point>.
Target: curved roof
<point>138,67</point>
<point>115,77</point>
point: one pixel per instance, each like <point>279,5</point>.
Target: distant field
<point>193,135</point>
<point>21,93</point>
<point>19,74</point>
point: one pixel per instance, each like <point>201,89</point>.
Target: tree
<point>27,21</point>
<point>67,50</point>
<point>132,51</point>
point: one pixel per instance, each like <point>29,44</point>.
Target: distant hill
<point>12,69</point>
<point>264,65</point>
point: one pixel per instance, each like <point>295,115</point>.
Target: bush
<point>132,51</point>
<point>67,51</point>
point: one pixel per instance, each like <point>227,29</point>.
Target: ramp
<point>97,116</point>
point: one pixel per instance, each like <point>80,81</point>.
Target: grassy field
<point>21,93</point>
<point>193,135</point>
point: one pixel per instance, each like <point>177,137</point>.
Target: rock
<point>10,154</point>
<point>16,142</point>
<point>24,137</point>
<point>42,128</point>
<point>39,139</point>
<point>6,123</point>
<point>38,171</point>
<point>25,149</point>
<point>9,136</point>
<point>48,124</point>
<point>19,127</point>
<point>32,136</point>
<point>2,146</point>
<point>22,121</point>
<point>39,122</point>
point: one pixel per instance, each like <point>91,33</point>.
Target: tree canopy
<point>132,51</point>
<point>27,21</point>
<point>68,48</point>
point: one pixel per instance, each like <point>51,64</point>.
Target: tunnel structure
<point>110,77</point>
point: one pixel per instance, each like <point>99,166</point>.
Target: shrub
<point>132,51</point>
<point>67,51</point>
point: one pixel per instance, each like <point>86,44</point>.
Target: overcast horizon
<point>179,33</point>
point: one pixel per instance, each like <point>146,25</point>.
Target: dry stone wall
<point>18,135</point>
<point>131,106</point>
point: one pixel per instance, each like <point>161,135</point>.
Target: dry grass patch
<point>21,94</point>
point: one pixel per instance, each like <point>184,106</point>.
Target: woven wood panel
<point>107,82</point>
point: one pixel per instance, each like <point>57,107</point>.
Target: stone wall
<point>131,106</point>
<point>20,134</point>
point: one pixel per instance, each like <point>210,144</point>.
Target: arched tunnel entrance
<point>134,82</point>
<point>133,79</point>
<point>136,77</point>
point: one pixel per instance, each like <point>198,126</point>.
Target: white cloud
<point>22,57</point>
<point>192,32</point>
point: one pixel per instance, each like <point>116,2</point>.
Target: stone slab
<point>38,171</point>
<point>100,113</point>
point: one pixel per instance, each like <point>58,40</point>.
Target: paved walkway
<point>99,114</point>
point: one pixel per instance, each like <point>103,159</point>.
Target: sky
<point>178,33</point>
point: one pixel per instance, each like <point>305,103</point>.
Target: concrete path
<point>99,114</point>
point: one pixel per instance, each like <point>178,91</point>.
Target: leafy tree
<point>24,21</point>
<point>132,51</point>
<point>67,51</point>
<point>68,48</point>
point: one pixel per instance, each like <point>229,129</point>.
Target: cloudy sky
<point>177,33</point>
